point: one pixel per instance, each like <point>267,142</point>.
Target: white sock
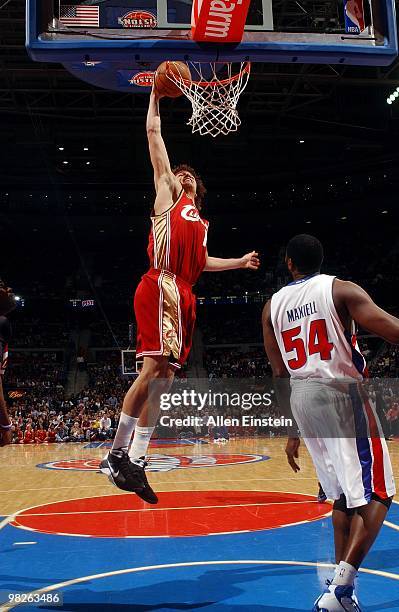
<point>345,574</point>
<point>141,441</point>
<point>124,433</point>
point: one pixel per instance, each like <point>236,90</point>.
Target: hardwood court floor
<point>24,484</point>
<point>235,529</point>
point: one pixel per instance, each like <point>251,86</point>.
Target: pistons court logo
<point>142,79</point>
<point>138,19</point>
<point>161,463</point>
<point>190,213</point>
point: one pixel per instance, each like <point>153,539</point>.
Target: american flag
<point>80,15</point>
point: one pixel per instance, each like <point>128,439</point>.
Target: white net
<point>213,98</point>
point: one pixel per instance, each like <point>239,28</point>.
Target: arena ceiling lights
<point>393,96</point>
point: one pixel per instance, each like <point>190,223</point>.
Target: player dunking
<point>164,304</point>
<point>309,336</point>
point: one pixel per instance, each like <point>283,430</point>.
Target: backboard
<point>130,365</point>
<point>117,44</point>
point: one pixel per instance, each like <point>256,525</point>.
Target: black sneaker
<point>147,493</point>
<point>321,496</point>
<point>123,473</point>
<point>104,466</point>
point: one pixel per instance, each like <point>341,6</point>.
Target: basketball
<point>164,85</point>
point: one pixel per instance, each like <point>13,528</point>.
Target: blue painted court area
<point>258,571</point>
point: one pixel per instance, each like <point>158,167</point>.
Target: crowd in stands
<point>78,424</point>
<point>116,333</point>
<point>232,363</point>
<point>251,362</point>
<point>387,363</point>
<point>38,371</point>
<point>237,283</point>
<point>45,413</point>
<point>218,323</point>
<point>36,333</point>
<point>42,413</point>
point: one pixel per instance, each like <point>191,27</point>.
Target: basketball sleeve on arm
<point>365,312</point>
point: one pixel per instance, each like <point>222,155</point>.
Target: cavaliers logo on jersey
<point>190,213</point>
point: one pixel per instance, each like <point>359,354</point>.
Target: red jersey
<point>41,435</point>
<point>177,241</point>
<point>29,436</point>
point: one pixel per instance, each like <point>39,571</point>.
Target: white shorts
<point>343,435</point>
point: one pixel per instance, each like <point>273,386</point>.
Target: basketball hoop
<point>214,100</point>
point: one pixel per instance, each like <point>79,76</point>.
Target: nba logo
<point>354,16</point>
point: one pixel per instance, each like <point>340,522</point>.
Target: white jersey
<point>312,340</point>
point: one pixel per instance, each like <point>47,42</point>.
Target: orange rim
<point>188,82</point>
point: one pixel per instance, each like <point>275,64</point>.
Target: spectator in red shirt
<point>29,435</point>
<point>51,434</point>
<point>40,436</point>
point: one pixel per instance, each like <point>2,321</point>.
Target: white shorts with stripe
<point>343,435</point>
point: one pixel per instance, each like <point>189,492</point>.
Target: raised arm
<point>166,185</point>
<point>352,300</point>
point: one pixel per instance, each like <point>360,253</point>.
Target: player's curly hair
<point>201,190</point>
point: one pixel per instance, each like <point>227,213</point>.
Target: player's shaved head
<point>306,253</point>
